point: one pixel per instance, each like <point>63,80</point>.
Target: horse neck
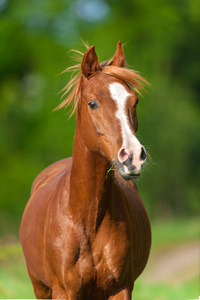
<point>89,188</point>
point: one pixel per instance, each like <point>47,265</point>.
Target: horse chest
<point>111,253</point>
<point>100,258</point>
<point>105,259</point>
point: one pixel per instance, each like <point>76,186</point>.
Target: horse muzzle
<point>130,162</point>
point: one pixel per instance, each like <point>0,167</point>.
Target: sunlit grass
<point>14,280</point>
<point>174,232</point>
<point>161,291</point>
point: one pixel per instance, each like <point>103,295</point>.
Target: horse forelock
<point>74,87</point>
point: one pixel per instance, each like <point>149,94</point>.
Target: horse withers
<point>85,232</point>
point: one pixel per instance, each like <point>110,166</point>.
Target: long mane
<point>74,87</point>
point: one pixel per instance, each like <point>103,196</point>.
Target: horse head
<point>108,113</point>
<point>106,95</point>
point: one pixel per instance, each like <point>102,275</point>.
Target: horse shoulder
<point>39,210</point>
<point>141,230</point>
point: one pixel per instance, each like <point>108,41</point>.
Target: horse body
<point>85,232</point>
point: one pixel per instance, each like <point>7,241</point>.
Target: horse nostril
<point>128,161</point>
<point>143,154</point>
<point>123,155</point>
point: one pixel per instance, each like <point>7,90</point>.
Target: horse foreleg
<point>60,293</point>
<point>122,295</point>
<point>40,289</point>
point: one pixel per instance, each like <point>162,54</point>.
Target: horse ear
<point>119,58</point>
<point>90,62</point>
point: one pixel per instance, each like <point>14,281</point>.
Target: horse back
<point>51,171</point>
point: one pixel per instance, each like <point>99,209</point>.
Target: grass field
<point>168,238</point>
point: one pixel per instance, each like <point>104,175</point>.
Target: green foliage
<point>162,42</point>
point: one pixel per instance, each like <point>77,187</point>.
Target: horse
<point>85,232</point>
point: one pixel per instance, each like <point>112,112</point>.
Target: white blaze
<point>120,95</point>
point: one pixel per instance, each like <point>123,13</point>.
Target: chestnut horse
<point>85,232</point>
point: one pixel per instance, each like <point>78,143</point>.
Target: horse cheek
<point>98,126</point>
<point>91,134</point>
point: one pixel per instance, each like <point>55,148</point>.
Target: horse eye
<point>93,105</point>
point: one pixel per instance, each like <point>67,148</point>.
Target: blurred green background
<point>162,42</point>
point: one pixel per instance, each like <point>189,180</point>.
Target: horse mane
<point>129,76</point>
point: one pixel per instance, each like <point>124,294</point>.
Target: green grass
<point>15,283</point>
<point>161,291</point>
<point>14,280</point>
<point>174,232</point>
